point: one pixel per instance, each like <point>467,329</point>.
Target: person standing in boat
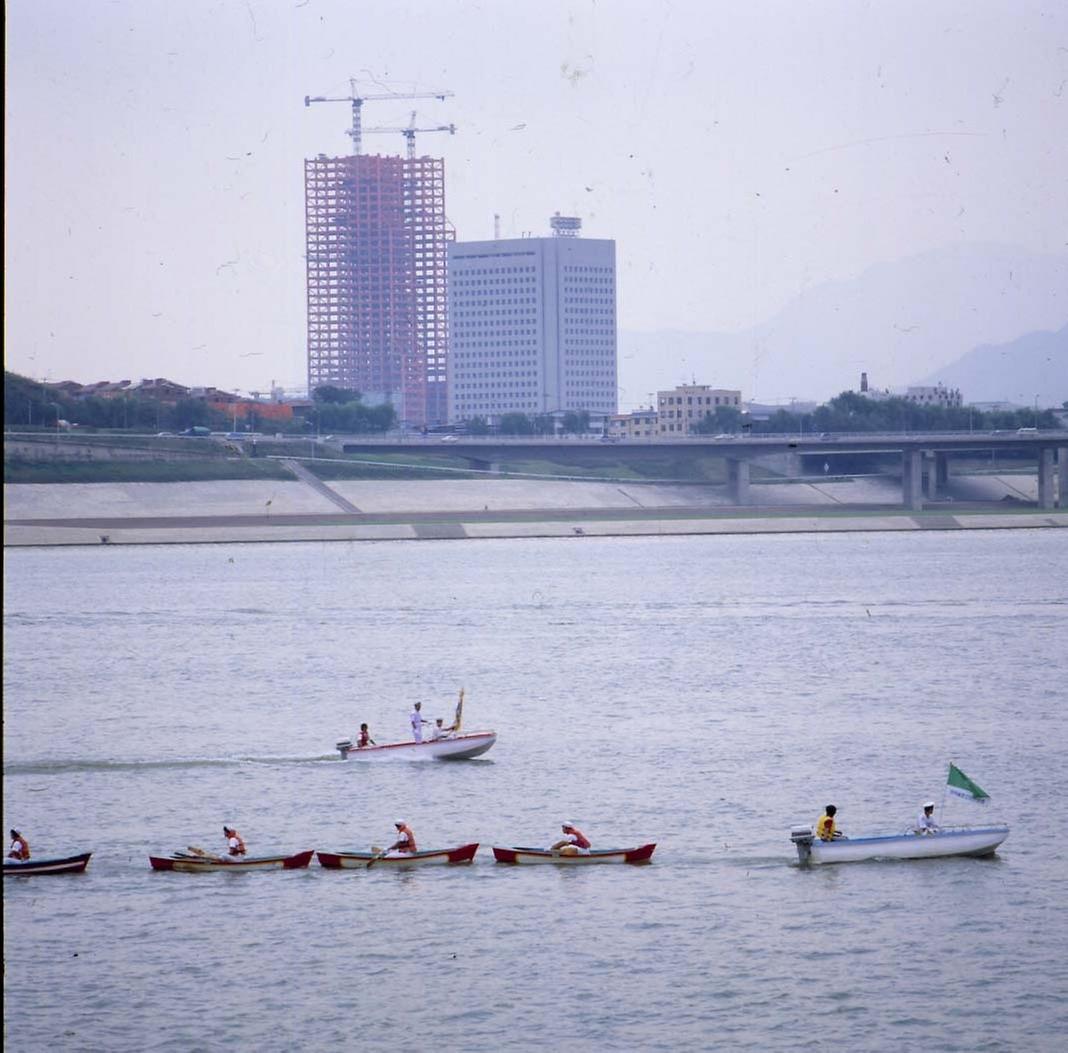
<point>574,844</point>
<point>20,847</point>
<point>825,826</point>
<point>925,821</point>
<point>405,843</point>
<point>235,843</point>
<point>365,739</point>
<point>417,722</point>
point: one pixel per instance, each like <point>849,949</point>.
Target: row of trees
<point>29,403</point>
<point>574,422</point>
<point>851,412</point>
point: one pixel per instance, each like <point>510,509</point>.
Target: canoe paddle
<point>380,853</point>
<point>204,855</point>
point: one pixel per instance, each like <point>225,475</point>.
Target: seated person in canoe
<point>925,821</point>
<point>365,739</point>
<point>20,847</point>
<point>825,825</point>
<point>576,843</point>
<point>405,843</point>
<point>235,843</point>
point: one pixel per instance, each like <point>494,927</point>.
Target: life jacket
<point>825,828</point>
<point>409,838</point>
<point>20,848</point>
<point>239,848</point>
<point>579,839</point>
<point>365,738</point>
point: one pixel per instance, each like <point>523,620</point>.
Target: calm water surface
<point>703,693</point>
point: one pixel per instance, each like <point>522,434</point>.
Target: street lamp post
<point>1036,411</point>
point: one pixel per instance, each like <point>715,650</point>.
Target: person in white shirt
<point>440,731</point>
<point>925,821</point>
<point>417,722</point>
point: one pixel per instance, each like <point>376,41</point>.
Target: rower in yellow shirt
<point>825,828</point>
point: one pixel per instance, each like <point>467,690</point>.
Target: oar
<point>204,855</point>
<point>379,853</point>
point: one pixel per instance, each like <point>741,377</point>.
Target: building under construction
<point>376,251</point>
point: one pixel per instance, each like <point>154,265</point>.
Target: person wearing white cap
<point>925,821</point>
<point>576,843</point>
<point>417,722</point>
<point>405,844</point>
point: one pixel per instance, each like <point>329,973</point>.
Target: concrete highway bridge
<point>925,458</point>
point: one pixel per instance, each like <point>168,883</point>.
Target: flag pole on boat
<point>459,713</point>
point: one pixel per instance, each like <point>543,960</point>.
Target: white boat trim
<point>955,841</point>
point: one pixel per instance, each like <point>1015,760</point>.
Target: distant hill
<point>896,321</point>
<point>1034,364</point>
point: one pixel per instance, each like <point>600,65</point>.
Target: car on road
<point>449,438</point>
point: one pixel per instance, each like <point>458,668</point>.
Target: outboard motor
<point>343,748</point>
<point>802,837</point>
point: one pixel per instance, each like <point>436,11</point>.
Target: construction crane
<point>409,133</point>
<point>357,101</point>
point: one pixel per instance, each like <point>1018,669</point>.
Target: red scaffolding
<point>376,265</point>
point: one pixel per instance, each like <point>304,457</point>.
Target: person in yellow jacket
<point>825,827</point>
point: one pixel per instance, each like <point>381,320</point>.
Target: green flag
<point>961,786</point>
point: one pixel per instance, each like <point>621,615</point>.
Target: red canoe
<point>361,860</point>
<point>69,865</point>
<point>191,864</point>
<point>643,854</point>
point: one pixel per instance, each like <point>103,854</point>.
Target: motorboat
<point>67,865</point>
<point>454,747</point>
<point>949,841</point>
<point>364,860</point>
<point>525,856</point>
<point>200,862</point>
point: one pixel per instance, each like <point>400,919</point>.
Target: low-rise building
<point>683,407</point>
<point>641,424</point>
<point>934,396</point>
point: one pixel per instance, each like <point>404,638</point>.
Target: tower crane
<point>410,130</point>
<point>357,101</point>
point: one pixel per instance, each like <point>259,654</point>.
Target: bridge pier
<point>738,480</point>
<point>912,479</point>
<point>1045,477</point>
<point>1062,477</point>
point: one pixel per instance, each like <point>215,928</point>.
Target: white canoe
<point>458,747</point>
<point>364,860</point>
<point>526,856</point>
<point>953,841</point>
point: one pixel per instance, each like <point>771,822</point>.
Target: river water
<point>705,693</point>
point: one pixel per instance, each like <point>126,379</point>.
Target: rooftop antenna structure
<point>496,226</point>
<point>357,100</point>
<point>409,133</point>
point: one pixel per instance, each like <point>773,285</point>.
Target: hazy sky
<point>739,153</point>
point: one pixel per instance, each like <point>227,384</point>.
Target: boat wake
<point>70,765</point>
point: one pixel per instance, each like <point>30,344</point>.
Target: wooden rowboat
<point>642,854</point>
<point>196,864</point>
<point>362,860</point>
<point>69,865</point>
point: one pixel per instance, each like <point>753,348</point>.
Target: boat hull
<point>461,747</point>
<point>954,842</point>
<point>361,860</point>
<point>67,865</point>
<point>527,856</point>
<point>194,865</point>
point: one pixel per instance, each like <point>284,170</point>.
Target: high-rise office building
<point>532,324</point>
<point>376,266</point>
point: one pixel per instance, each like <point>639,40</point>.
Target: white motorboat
<point>455,747</point>
<point>950,841</point>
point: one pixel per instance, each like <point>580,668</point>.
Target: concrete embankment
<point>310,510</point>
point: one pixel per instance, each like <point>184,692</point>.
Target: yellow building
<point>683,407</point>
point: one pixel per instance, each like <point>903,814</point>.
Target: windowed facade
<point>677,411</point>
<point>532,326</point>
